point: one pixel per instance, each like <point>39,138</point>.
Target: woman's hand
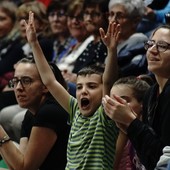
<point>110,39</point>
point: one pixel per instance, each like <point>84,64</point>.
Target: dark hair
<point>148,78</point>
<point>138,86</point>
<point>57,5</point>
<point>54,68</point>
<point>166,26</point>
<point>102,4</point>
<point>58,75</point>
<point>92,69</point>
<point>103,7</point>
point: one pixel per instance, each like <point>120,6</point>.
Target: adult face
<point>76,26</point>
<point>159,60</point>
<point>38,25</point>
<point>30,91</point>
<point>6,23</point>
<point>119,14</point>
<point>93,19</point>
<point>58,21</point>
<point>89,93</point>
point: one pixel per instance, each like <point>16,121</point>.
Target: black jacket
<point>153,134</point>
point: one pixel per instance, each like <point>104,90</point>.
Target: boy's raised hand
<point>30,28</point>
<point>110,39</point>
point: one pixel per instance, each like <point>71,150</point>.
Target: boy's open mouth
<point>84,103</point>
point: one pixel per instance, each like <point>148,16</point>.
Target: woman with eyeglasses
<point>94,17</point>
<point>152,134</point>
<point>62,40</point>
<point>44,130</point>
<point>77,30</point>
<point>130,50</point>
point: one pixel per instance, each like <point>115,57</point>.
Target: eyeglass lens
<point>25,81</point>
<point>161,46</point>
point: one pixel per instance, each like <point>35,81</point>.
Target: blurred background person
<point>130,50</point>
<point>78,31</point>
<point>10,47</point>
<point>94,17</point>
<point>154,15</point>
<point>62,40</point>
<point>41,24</point>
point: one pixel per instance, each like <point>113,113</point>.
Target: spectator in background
<point>9,42</point>
<point>44,133</point>
<point>62,40</point>
<point>41,24</point>
<point>77,30</point>
<point>94,16</point>
<point>130,49</point>
<point>10,50</point>
<point>92,49</point>
<point>154,16</point>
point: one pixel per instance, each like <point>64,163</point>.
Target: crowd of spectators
<point>71,36</point>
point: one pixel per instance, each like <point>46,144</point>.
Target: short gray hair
<point>135,8</point>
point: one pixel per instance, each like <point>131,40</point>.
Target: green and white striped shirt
<point>92,140</point>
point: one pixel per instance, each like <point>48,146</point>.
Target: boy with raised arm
<point>93,136</point>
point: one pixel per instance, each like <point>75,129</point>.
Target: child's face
<point>126,93</point>
<point>89,93</point>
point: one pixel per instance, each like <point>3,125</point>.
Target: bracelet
<point>4,140</point>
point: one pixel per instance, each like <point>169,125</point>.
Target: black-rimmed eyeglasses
<point>161,46</point>
<point>78,17</point>
<point>25,81</point>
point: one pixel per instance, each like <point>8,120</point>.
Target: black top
<point>10,53</point>
<point>50,115</point>
<point>93,54</point>
<point>150,137</point>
